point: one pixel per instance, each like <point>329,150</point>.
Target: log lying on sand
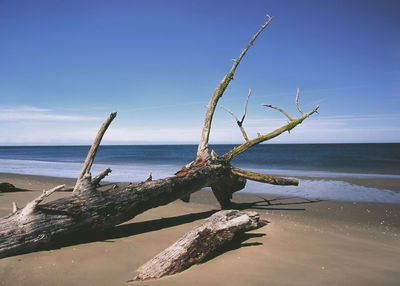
<point>200,243</point>
<point>87,209</point>
<point>7,187</point>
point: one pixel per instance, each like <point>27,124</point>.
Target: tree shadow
<point>129,229</point>
<point>119,231</point>
<point>238,241</point>
<point>135,228</point>
<point>275,204</point>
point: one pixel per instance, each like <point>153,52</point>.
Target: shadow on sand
<point>135,228</point>
<point>276,204</point>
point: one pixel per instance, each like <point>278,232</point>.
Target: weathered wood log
<point>7,187</point>
<point>199,244</point>
<point>94,210</point>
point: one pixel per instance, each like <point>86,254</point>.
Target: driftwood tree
<point>91,209</point>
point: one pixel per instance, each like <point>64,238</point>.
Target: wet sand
<point>379,183</point>
<point>304,243</point>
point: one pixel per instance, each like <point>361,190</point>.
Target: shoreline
<point>23,181</point>
<point>392,184</point>
<point>304,243</point>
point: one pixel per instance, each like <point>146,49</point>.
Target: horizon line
<point>193,144</point>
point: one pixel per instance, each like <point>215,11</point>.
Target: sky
<point>66,65</point>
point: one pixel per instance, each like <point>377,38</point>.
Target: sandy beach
<point>304,243</point>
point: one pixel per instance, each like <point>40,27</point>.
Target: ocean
<point>132,164</point>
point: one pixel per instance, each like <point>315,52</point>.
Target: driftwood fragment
<point>200,243</point>
<point>7,187</point>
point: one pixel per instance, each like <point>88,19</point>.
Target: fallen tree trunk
<point>91,209</point>
<point>199,244</point>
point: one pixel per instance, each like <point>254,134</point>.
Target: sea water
<point>132,164</point>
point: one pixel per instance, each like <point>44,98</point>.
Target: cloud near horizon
<point>28,125</point>
<point>37,113</point>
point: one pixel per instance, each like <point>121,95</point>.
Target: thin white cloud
<point>24,109</point>
<point>35,113</point>
<point>319,128</point>
<point>168,106</point>
<point>326,120</point>
<point>363,117</point>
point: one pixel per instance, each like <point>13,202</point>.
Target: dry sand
<point>305,243</point>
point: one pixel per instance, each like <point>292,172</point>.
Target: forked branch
<point>87,165</point>
<point>202,150</point>
<point>240,122</point>
<point>96,180</point>
<point>261,138</point>
<point>281,110</point>
<point>297,102</point>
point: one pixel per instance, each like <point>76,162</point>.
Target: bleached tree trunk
<point>92,210</point>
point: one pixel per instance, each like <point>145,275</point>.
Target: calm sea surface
<point>132,163</point>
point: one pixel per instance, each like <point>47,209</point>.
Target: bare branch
<point>15,207</point>
<point>238,122</point>
<point>202,151</point>
<point>214,155</point>
<point>92,152</point>
<point>96,180</point>
<point>289,126</point>
<point>233,114</point>
<point>297,102</point>
<point>264,178</point>
<point>31,206</point>
<point>279,109</point>
<point>245,106</point>
<point>87,165</point>
<point>149,177</point>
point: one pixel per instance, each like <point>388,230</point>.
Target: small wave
<point>120,173</point>
<point>327,190</point>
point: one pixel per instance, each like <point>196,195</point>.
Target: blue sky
<point>65,65</point>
